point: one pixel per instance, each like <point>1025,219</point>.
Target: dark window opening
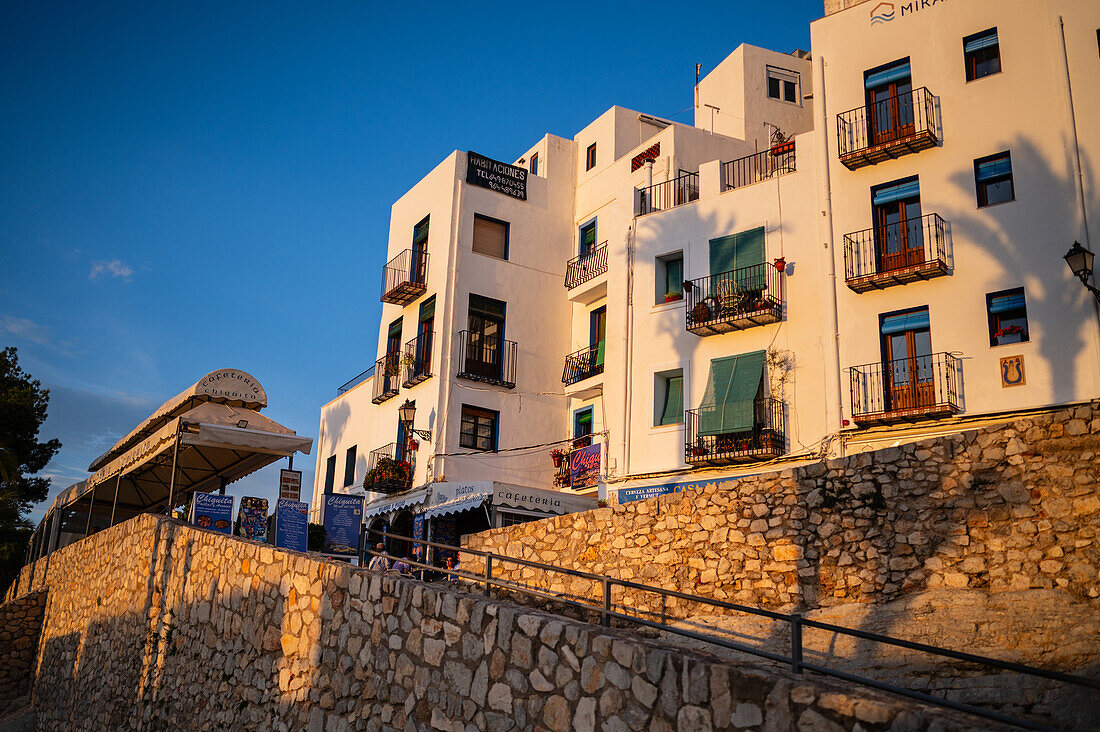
<point>330,473</point>
<point>1007,317</point>
<point>582,428</point>
<point>899,237</point>
<point>349,466</point>
<point>534,163</point>
<point>890,101</point>
<point>590,157</point>
<point>907,359</point>
<point>993,179</point>
<point>982,54</point>
<point>479,429</point>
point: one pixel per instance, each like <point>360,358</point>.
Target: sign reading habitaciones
<point>496,176</point>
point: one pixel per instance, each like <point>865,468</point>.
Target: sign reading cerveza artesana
<point>496,176</point>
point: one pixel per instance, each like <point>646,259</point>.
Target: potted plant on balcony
<point>557,455</point>
<point>673,296</point>
<point>698,450</point>
<point>389,474</point>
<point>1009,330</point>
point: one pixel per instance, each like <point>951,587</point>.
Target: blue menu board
<point>253,517</point>
<point>291,524</point>
<point>343,517</point>
<point>212,511</point>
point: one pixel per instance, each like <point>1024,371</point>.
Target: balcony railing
<point>729,301</point>
<point>387,373</point>
<point>388,481</point>
<point>896,254</point>
<point>487,359</point>
<point>671,193</point>
<point>352,383</point>
<point>405,277</point>
<point>888,128</point>
<point>905,389</point>
<point>583,364</point>
<point>764,440</point>
<point>418,359</point>
<point>586,266</point>
<point>777,161</point>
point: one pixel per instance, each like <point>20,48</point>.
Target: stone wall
<point>1006,508</point>
<point>153,624</point>
<point>20,625</point>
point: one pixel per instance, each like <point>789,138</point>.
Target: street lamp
<point>406,413</point>
<point>1079,260</point>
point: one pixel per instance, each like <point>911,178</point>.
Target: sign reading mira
<point>496,176</point>
<point>884,12</point>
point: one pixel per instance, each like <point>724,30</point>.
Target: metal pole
<point>605,616</point>
<point>488,573</point>
<point>172,480</point>
<point>115,504</point>
<point>796,643</point>
<point>91,507</point>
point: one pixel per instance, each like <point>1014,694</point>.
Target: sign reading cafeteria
<point>496,176</point>
<point>212,511</point>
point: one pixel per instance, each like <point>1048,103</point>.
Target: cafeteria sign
<point>584,467</point>
<point>496,176</point>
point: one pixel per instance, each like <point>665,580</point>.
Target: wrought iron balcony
<point>383,476</point>
<point>418,359</point>
<point>766,438</point>
<point>352,383</point>
<point>905,389</point>
<point>583,364</point>
<point>682,189</point>
<point>736,300</point>
<point>405,277</point>
<point>896,254</point>
<point>487,359</point>
<point>387,372</point>
<point>887,129</point>
<point>777,161</point>
<point>586,266</point>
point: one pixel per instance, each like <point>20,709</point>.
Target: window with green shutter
<point>732,387</point>
<point>671,386</point>
<point>738,258</point>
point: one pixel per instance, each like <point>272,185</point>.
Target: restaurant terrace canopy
<point>204,438</point>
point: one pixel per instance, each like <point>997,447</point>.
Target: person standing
<point>379,563</point>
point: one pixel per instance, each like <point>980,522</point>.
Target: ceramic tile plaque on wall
<point>1012,371</point>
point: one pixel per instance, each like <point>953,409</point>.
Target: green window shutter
<point>723,255</point>
<point>673,412</point>
<point>745,249</point>
<point>588,237</point>
<point>731,390</point>
<point>427,309</point>
<point>599,352</point>
<point>674,275</point>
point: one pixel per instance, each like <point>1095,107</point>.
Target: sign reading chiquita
<point>496,176</point>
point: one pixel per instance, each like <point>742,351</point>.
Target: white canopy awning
<point>454,497</point>
<point>393,504</point>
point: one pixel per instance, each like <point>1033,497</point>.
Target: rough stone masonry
<point>154,624</point>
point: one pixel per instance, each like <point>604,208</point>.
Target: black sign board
<point>496,176</point>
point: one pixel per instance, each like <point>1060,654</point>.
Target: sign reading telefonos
<point>496,176</point>
<point>885,12</point>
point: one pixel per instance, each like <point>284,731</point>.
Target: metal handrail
<point>488,359</point>
<point>584,267</point>
<point>673,192</point>
<point>905,385</point>
<point>354,382</point>
<point>796,621</point>
<point>582,364</point>
<point>917,242</point>
<point>405,276</point>
<point>776,161</point>
<point>910,114</point>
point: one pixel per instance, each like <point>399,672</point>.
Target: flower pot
<point>674,298</point>
<point>780,264</point>
<point>558,459</point>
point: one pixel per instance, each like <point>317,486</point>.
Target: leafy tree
<point>23,404</point>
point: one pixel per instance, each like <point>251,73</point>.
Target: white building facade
<point>849,248</point>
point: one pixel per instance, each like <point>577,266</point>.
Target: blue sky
<point>192,186</point>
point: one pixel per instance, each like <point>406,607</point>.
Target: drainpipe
<point>1079,178</point>
<point>446,349</point>
<point>834,401</point>
<point>648,172</point>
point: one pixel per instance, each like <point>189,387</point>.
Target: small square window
<point>982,54</point>
<point>479,429</point>
<point>668,397</point>
<point>669,272</point>
<point>993,179</point>
<point>534,163</point>
<point>490,236</point>
<point>590,157</point>
<point>783,84</point>
<point>1007,317</point>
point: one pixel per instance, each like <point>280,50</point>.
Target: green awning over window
<point>731,390</point>
<point>673,412</point>
<point>600,352</point>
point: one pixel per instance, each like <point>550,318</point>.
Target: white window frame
<point>776,72</point>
